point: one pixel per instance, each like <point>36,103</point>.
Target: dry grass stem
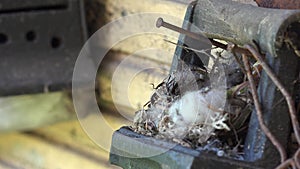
<point>265,129</point>
<point>285,93</point>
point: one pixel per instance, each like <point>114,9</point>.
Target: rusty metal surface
<point>281,4</point>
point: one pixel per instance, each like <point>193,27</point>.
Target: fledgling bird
<point>198,114</point>
<point>186,105</point>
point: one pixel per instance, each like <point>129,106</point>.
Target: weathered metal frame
<point>127,144</point>
<point>259,152</point>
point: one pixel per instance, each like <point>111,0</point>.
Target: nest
<point>202,108</point>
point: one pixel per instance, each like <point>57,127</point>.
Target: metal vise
<point>277,33</point>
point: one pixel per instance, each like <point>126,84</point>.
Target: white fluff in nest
<point>196,114</point>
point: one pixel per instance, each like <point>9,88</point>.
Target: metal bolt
<point>160,22</point>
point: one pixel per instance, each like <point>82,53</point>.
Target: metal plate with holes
<point>39,44</point>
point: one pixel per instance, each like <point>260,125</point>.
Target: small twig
<point>277,103</point>
<point>257,69</point>
<point>233,48</point>
<point>234,132</point>
<point>285,93</point>
<point>240,87</point>
<point>242,129</point>
<point>239,62</point>
<point>293,162</point>
<point>297,158</point>
<point>286,164</point>
<point>264,128</point>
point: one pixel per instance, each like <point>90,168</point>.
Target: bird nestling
<point>188,105</point>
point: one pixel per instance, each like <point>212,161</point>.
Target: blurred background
<point>39,43</point>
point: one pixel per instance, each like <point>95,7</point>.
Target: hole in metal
<point>3,38</point>
<point>56,42</point>
<point>30,36</point>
